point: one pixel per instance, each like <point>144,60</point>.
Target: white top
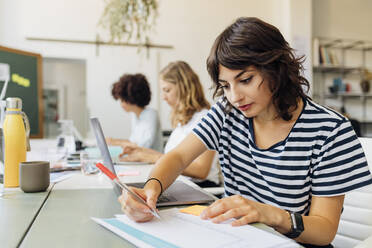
<point>180,132</point>
<point>146,130</point>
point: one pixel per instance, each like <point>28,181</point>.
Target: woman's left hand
<point>243,210</point>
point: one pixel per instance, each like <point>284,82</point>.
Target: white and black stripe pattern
<point>321,156</point>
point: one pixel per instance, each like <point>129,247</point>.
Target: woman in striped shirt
<point>287,161</point>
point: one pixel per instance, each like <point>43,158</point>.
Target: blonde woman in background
<point>183,92</point>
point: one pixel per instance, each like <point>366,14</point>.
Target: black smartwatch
<point>297,225</point>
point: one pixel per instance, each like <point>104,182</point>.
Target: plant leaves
<point>127,19</point>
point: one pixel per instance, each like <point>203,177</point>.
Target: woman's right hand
<point>110,141</point>
<point>128,149</point>
<point>140,154</point>
<point>134,209</point>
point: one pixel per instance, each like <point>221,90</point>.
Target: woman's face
<point>170,93</point>
<point>247,91</point>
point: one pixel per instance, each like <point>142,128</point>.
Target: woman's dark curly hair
<point>251,41</point>
<point>132,88</point>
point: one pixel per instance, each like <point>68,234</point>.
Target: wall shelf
<point>348,95</point>
<point>336,69</point>
<point>342,61</point>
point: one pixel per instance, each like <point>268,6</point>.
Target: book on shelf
<point>333,57</point>
<point>324,55</point>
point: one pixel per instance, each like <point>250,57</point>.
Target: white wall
<point>68,77</point>
<point>189,25</point>
<point>343,19</point>
<point>300,37</point>
<point>192,26</point>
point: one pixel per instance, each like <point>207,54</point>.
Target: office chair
<point>356,219</point>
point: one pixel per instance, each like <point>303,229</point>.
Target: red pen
<point>115,179</point>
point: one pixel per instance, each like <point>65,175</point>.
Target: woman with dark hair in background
<point>287,161</point>
<point>134,93</point>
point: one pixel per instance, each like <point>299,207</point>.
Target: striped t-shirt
<point>321,156</point>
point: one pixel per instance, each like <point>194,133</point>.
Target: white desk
<point>64,219</point>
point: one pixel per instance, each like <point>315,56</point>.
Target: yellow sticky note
<point>194,210</point>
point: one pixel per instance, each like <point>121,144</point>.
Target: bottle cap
<point>14,103</point>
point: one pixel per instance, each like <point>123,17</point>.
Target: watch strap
<point>297,225</point>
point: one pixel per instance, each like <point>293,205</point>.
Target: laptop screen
<point>102,145</point>
<point>179,193</point>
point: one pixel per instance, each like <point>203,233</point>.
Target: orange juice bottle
<point>15,140</point>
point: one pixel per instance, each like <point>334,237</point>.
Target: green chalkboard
<point>26,83</point>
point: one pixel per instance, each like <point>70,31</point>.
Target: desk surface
<point>65,217</point>
<point>65,220</point>
<point>17,211</point>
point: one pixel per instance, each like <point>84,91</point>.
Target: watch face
<point>299,222</point>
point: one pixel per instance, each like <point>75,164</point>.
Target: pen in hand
<point>116,180</point>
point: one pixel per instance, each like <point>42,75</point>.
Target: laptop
<point>179,193</point>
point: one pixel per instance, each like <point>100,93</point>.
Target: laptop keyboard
<point>165,197</point>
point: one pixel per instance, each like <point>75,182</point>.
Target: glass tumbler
<point>88,163</point>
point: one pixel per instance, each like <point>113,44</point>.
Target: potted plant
<point>129,19</point>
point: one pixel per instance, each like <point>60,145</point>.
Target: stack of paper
<point>176,229</point>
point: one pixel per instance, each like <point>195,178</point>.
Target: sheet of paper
<point>56,177</point>
<point>176,229</point>
<point>129,173</point>
<point>130,163</point>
